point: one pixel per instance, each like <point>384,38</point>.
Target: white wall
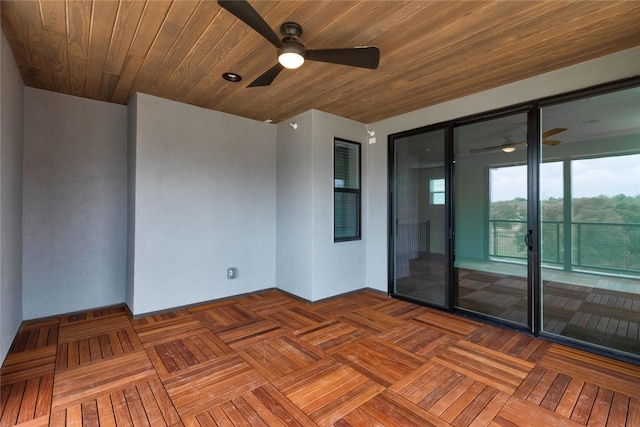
<point>605,69</point>
<point>309,264</point>
<point>337,267</point>
<point>132,110</point>
<point>74,254</point>
<point>11,131</point>
<point>294,217</point>
<point>205,200</point>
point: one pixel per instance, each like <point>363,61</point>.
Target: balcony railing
<point>598,246</point>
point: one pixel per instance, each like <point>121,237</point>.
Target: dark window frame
<point>356,191</point>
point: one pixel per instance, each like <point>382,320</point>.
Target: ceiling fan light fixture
<point>290,60</point>
<point>509,149</point>
<point>291,56</point>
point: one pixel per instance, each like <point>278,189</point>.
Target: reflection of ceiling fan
<point>291,51</point>
<point>509,146</point>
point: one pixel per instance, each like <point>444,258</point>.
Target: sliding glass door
<point>590,220</point>
<point>420,263</point>
<point>490,220</point>
<point>528,217</point>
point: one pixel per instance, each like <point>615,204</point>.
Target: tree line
<point>604,209</point>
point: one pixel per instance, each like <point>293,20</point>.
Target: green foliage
<point>620,209</point>
<point>605,231</point>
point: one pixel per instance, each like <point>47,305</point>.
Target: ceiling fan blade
<point>551,142</point>
<point>551,132</point>
<point>247,14</point>
<point>267,77</point>
<point>497,147</point>
<point>364,57</point>
<point>493,148</point>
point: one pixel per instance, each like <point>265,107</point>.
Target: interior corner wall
<point>132,110</point>
<point>205,200</point>
<point>11,137</point>
<point>608,68</point>
<point>309,263</point>
<point>74,204</point>
<point>294,207</point>
<point>338,267</point>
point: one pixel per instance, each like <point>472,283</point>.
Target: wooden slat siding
<point>329,335</point>
<point>478,45</point>
<point>77,41</point>
<point>153,16</point>
<point>197,72</point>
<point>103,18</point>
<point>190,46</point>
<point>14,34</point>
<point>177,17</point>
<point>258,62</point>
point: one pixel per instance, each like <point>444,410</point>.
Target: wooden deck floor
<point>268,359</point>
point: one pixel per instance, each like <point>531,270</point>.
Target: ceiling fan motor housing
<point>292,46</point>
<point>291,29</point>
<point>292,43</point>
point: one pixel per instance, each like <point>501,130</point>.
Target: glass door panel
<point>590,220</point>
<point>420,262</point>
<point>490,217</point>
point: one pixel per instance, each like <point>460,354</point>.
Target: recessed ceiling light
<point>232,77</point>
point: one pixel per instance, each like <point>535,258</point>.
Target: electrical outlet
<point>232,273</point>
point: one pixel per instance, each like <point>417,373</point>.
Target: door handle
<point>527,239</point>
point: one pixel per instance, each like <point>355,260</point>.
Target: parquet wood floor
<point>268,359</point>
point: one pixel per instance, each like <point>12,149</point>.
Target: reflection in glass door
<point>490,207</point>
<point>590,220</point>
<point>420,261</point>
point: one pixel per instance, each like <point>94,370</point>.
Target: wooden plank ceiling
<point>431,51</point>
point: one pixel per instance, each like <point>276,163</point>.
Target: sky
<point>608,176</point>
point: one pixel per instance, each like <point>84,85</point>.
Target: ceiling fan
<point>509,146</point>
<point>291,50</point>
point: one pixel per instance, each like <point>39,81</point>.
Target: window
<point>346,190</point>
<point>436,191</point>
